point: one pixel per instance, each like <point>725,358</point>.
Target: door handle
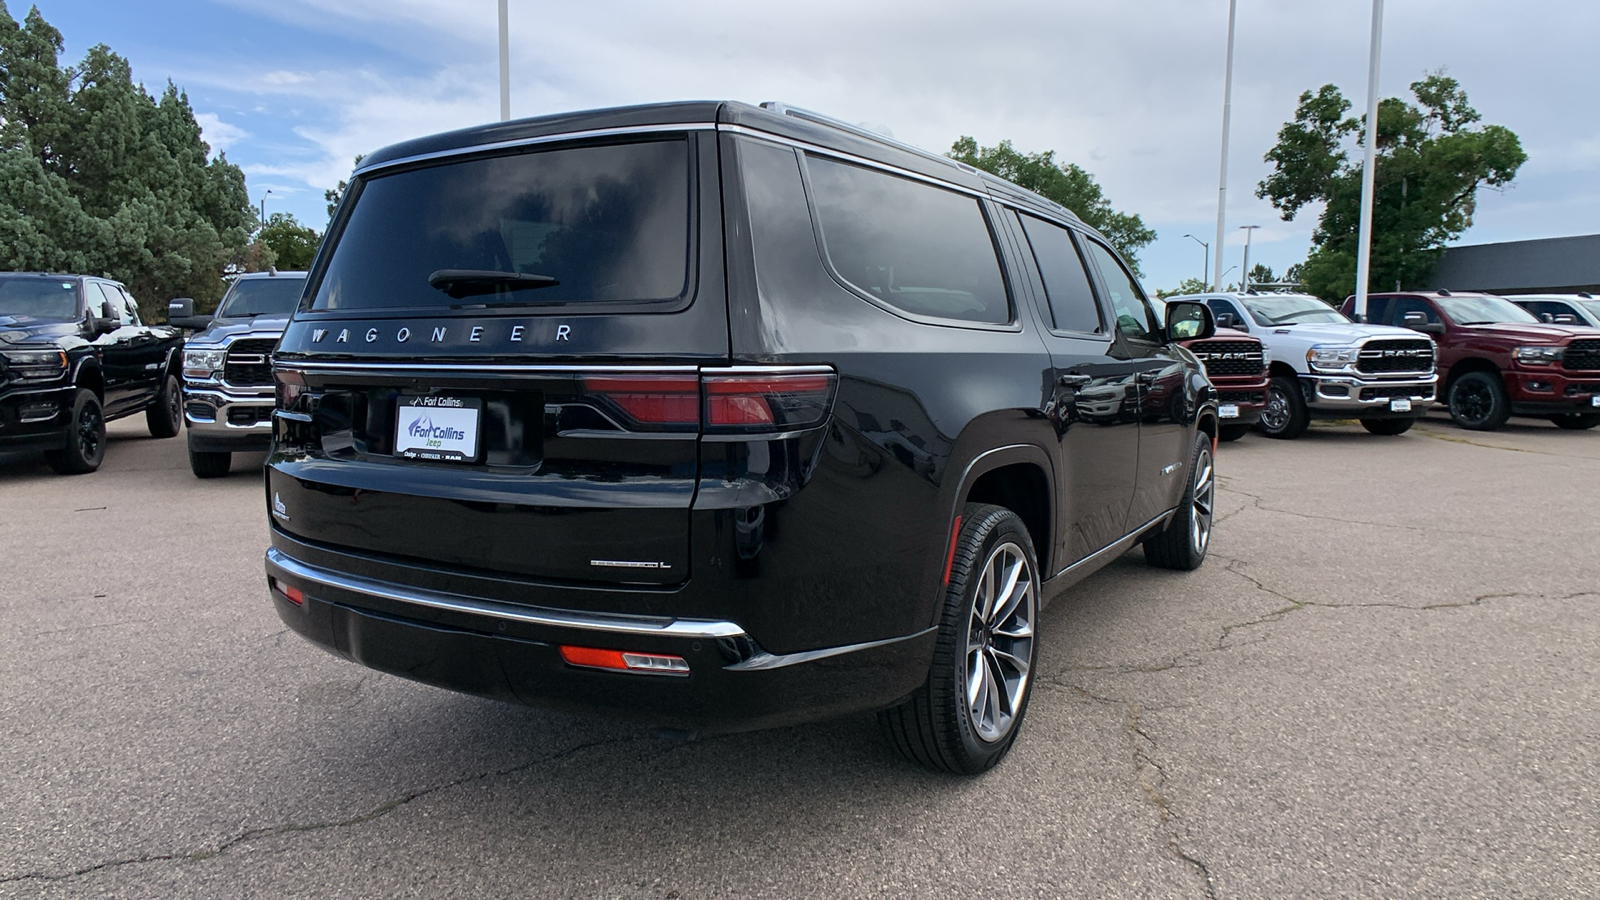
<point>1147,377</point>
<point>1074,379</point>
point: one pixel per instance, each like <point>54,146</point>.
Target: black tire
<point>1576,421</point>
<point>1387,426</point>
<point>1477,401</point>
<point>86,437</point>
<point>1285,417</point>
<point>210,463</point>
<point>1227,433</point>
<point>165,413</point>
<point>1183,543</point>
<point>939,726</point>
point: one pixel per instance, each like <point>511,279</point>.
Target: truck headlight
<point>36,365</point>
<point>1332,359</point>
<point>203,363</point>
<point>1537,356</point>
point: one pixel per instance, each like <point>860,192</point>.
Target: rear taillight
<point>737,401</point>
<point>766,401</point>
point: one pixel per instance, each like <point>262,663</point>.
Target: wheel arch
<point>88,375</point>
<point>1465,367</point>
<point>1020,478</point>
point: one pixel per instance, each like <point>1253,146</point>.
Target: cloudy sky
<point>291,90</point>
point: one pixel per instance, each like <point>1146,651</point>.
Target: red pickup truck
<point>1496,360</point>
<point>1237,367</point>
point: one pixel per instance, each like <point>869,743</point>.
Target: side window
<point>918,248</point>
<point>131,305</point>
<point>105,293</point>
<point>1403,305</point>
<point>1377,309</point>
<point>1220,308</point>
<point>1066,284</point>
<point>1135,320</point>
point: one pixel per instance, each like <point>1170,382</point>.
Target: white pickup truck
<point>1324,366</point>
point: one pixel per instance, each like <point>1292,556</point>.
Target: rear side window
<point>1066,283</point>
<point>608,223</point>
<point>909,245</point>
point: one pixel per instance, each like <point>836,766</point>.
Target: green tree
<point>1186,286</point>
<point>1261,273</point>
<point>99,177</point>
<point>293,245</point>
<point>1067,185</point>
<point>335,194</point>
<point>1431,160</point>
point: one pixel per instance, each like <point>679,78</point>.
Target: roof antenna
<point>272,270</point>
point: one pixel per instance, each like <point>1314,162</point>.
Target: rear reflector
<point>620,661</point>
<point>292,594</point>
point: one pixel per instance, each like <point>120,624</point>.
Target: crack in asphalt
<point>1259,503</point>
<point>1454,439</point>
<point>255,834</point>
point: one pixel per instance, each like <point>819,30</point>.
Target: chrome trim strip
<point>541,139</point>
<point>1087,566</point>
<point>703,629</point>
<point>764,660</point>
<point>358,367</point>
<point>852,158</point>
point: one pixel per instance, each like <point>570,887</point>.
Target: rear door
<point>120,361</point>
<point>1094,407</point>
<point>448,404</point>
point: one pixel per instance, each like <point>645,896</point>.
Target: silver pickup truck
<point>227,367</point>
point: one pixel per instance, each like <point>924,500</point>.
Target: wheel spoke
<point>1011,594</point>
<point>975,676</point>
<point>994,683</point>
<point>1004,658</point>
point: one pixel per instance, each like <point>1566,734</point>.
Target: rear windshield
<point>39,298</point>
<point>604,223</point>
<point>274,296</point>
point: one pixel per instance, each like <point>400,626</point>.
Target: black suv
<point>721,417</point>
<point>74,355</point>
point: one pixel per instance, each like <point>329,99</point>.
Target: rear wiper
<point>460,283</point>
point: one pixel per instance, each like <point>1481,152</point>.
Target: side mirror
<point>1188,321</point>
<point>1417,321</point>
<point>1227,320</point>
<point>1566,319</point>
<point>180,314</point>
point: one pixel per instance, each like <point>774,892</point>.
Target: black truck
<point>75,355</point>
<point>721,417</point>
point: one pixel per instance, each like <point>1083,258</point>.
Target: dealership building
<point>1565,265</point>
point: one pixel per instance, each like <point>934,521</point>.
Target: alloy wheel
<point>1205,489</point>
<point>1000,641</point>
<point>90,426</point>
<point>1471,401</point>
<point>1275,417</point>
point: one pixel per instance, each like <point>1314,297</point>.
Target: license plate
<point>1400,404</point>
<point>437,428</point>
<point>1595,400</point>
<point>1228,411</point>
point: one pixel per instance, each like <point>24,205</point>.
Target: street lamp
<point>1227,116</point>
<point>264,208</point>
<point>1224,275</point>
<point>505,65</point>
<point>1207,268</point>
<point>1244,279</point>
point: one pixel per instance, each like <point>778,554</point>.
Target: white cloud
<point>219,134</point>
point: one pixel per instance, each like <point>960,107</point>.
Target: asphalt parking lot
<point>1383,683</point>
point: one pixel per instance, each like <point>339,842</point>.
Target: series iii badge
<point>278,507</point>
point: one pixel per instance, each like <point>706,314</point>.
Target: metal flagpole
<point>1369,166</point>
<point>1222,180</point>
<point>505,65</point>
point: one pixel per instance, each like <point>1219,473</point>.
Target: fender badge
<point>1166,470</point>
<point>278,507</point>
<point>628,564</point>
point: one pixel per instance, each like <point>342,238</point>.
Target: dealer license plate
<point>1228,411</point>
<point>438,428</point>
<point>1400,404</point>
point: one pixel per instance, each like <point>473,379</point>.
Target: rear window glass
<point>607,224</point>
<point>1066,282</point>
<point>918,248</point>
<point>273,296</point>
<point>36,297</point>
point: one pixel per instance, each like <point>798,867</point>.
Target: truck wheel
<point>1182,544</point>
<point>209,463</point>
<point>966,716</point>
<point>165,414</point>
<point>1478,402</point>
<point>1388,426</point>
<point>1577,421</point>
<point>1232,432</point>
<point>1285,416</point>
<point>86,438</point>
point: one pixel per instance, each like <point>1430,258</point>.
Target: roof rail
<point>784,109</point>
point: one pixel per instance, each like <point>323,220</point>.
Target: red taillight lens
<point>292,594</point>
<point>766,402</point>
<point>624,661</point>
<point>650,400</point>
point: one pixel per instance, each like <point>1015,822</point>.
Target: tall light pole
<point>1244,279</point>
<point>264,208</point>
<point>505,65</point>
<point>1227,114</point>
<point>1370,166</point>
<point>1207,267</point>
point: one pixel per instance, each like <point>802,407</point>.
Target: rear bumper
<point>511,652</point>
